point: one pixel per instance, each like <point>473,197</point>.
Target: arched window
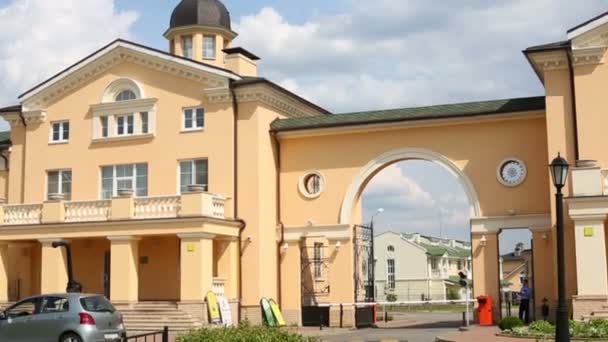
<point>126,95</point>
<point>390,249</point>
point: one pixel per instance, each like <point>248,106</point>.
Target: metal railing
<point>161,335</point>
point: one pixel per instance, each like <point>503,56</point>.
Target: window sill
<point>320,280</point>
<point>63,142</point>
<point>192,130</point>
<point>124,138</point>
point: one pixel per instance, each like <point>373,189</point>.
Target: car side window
<point>53,304</point>
<point>27,307</point>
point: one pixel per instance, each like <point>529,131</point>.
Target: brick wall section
<point>253,314</point>
<point>585,306</point>
<point>293,317</point>
<point>198,311</point>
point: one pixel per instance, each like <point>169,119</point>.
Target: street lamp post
<point>372,269</point>
<point>559,172</point>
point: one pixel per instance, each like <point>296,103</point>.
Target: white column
<point>591,273</point>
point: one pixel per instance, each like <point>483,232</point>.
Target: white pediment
<point>118,52</point>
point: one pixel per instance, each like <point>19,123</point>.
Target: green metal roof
<point>436,250</point>
<point>469,109</point>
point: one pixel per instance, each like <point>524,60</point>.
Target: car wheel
<point>70,337</point>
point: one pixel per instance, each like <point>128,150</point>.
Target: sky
<point>346,55</point>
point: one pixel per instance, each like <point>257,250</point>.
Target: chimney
<point>241,61</point>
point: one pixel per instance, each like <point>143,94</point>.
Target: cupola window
<point>208,47</point>
<point>187,46</point>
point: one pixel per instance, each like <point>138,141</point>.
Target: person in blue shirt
<point>524,301</point>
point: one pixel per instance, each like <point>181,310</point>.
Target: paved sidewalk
<point>478,333</point>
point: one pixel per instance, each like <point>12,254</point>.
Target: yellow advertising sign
<point>588,231</point>
<point>190,247</point>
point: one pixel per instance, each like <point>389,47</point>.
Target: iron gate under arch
<point>364,264</point>
<point>315,288</point>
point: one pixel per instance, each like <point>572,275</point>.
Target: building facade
<point>184,165</point>
<point>415,267</point>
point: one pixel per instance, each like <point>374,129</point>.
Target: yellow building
<point>176,173</point>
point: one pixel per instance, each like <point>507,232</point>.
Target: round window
<point>511,172</point>
<point>312,185</point>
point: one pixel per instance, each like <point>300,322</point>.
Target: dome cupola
<point>208,13</point>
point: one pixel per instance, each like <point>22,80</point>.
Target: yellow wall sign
<point>588,231</point>
<point>190,247</point>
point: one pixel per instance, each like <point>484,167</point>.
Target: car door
<point>53,318</point>
<point>18,325</point>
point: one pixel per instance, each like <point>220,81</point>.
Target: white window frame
<point>192,176</point>
<point>60,189</point>
<point>126,124</point>
<point>194,127</point>
<point>391,283</point>
<point>61,139</point>
<point>209,49</point>
<point>132,178</point>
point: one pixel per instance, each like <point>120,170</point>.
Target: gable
<point>115,53</point>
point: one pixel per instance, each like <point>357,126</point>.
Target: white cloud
<point>390,53</point>
<point>41,37</point>
<point>397,190</point>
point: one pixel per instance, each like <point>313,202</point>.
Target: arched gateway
<point>351,197</point>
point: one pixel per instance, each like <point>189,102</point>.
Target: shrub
<point>243,333</point>
<point>508,323</point>
<point>542,327</point>
<point>453,294</point>
<point>391,297</point>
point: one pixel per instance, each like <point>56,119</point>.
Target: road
<point>411,327</point>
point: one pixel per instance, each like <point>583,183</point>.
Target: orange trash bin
<point>484,308</point>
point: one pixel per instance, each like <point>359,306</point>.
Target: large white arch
<point>356,186</point>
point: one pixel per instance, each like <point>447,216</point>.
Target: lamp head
<point>559,171</point>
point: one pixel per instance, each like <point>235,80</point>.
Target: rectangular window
<point>60,131</point>
<point>318,260</point>
<point>193,172</point>
<point>194,118</point>
<point>124,125</point>
<point>104,126</point>
<point>124,177</point>
<point>187,46</point>
<point>390,265</point>
<point>144,122</point>
<point>59,182</point>
<point>209,47</point>
<point>434,264</point>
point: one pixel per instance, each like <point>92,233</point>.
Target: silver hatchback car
<point>68,317</point>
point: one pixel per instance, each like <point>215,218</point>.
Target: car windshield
<point>97,304</point>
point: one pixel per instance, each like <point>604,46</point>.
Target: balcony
<point>195,204</point>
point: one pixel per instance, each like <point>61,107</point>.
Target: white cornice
<point>330,232</point>
<point>494,224</point>
<point>584,56</point>
<point>132,106</point>
<point>263,94</point>
<point>13,119</point>
<point>554,60</point>
<point>34,116</point>
<point>580,207</point>
<point>117,53</point>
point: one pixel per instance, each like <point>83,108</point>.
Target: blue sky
<point>346,55</point>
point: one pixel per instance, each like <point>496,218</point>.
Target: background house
<point>413,267</point>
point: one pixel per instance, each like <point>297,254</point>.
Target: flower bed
<point>593,330</point>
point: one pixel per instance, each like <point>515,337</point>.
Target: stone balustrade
<point>195,204</point>
<point>219,286</point>
<point>22,214</point>
<point>87,211</point>
<point>157,207</point>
